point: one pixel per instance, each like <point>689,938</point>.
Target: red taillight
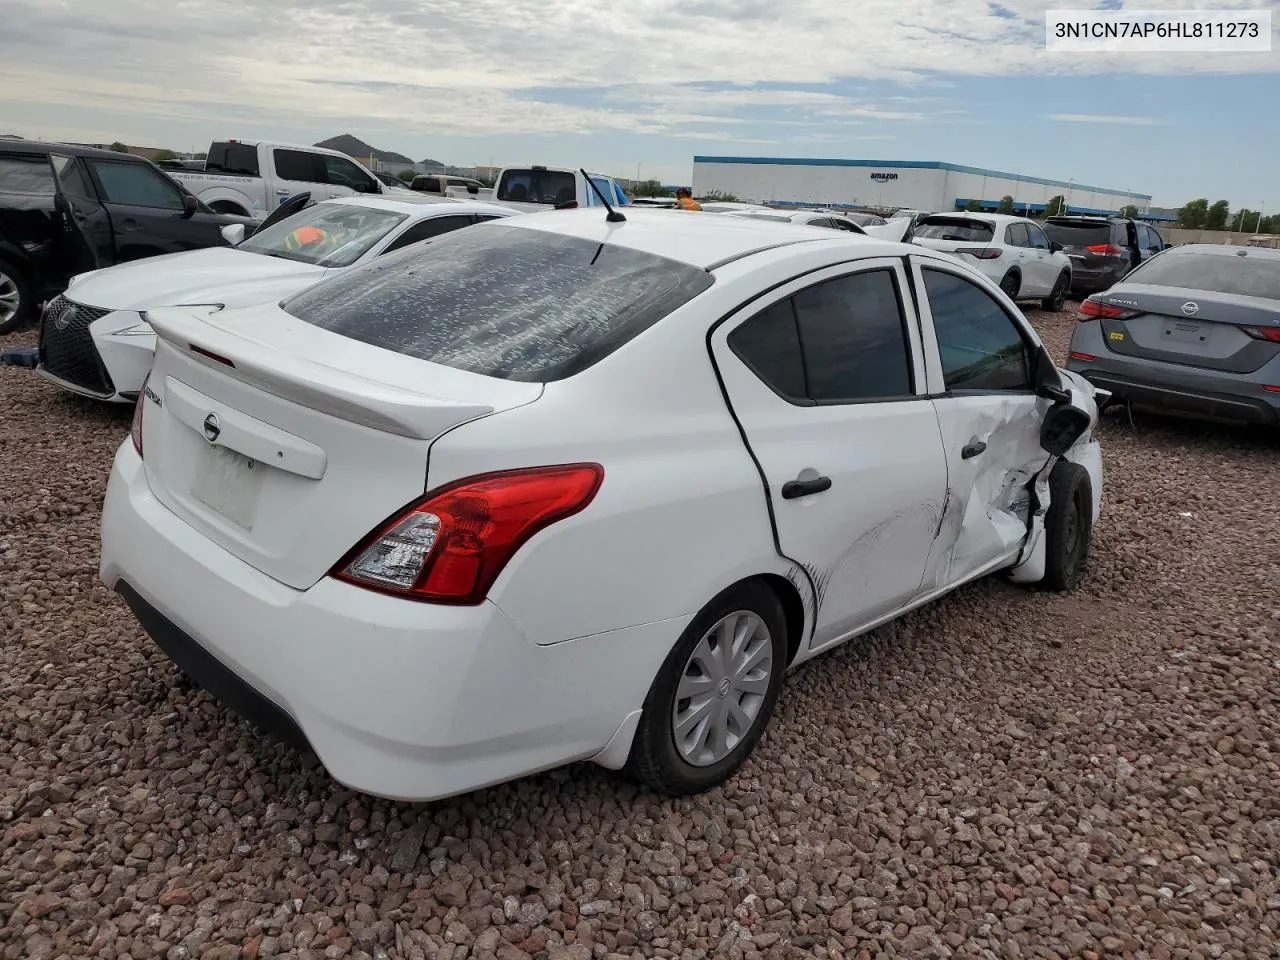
<point>135,428</point>
<point>1270,389</point>
<point>1086,357</point>
<point>450,546</point>
<point>1264,333</point>
<point>1091,309</point>
<point>980,253</point>
<point>1105,250</point>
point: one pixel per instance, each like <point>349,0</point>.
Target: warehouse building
<point>895,184</point>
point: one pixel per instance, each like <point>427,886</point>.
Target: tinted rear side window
<point>1247,276</point>
<point>1079,234</point>
<point>232,158</point>
<point>502,301</point>
<point>537,186</point>
<point>952,228</point>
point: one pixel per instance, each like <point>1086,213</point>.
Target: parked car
<point>732,206</point>
<point>537,187</point>
<point>670,458</point>
<point>1103,249</point>
<point>253,177</point>
<point>866,219</point>
<point>829,219</point>
<point>66,209</point>
<point>663,203</point>
<point>393,183</point>
<point>440,183</point>
<point>95,340</point>
<point>1012,251</point>
<point>1195,329</point>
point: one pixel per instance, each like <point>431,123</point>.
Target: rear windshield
<point>952,228</point>
<point>1079,234</point>
<point>503,301</point>
<point>1247,276</point>
<point>232,158</point>
<point>537,186</point>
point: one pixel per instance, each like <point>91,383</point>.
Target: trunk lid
<point>286,444</point>
<point>1206,334</point>
<point>1078,236</point>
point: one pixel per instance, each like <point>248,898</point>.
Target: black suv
<point>1102,249</point>
<point>65,210</point>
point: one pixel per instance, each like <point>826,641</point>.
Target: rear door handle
<point>794,489</point>
<point>972,450</point>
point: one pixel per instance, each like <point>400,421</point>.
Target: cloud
<point>1106,118</point>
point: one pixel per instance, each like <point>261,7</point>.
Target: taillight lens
<point>450,546</point>
<point>1264,333</point>
<point>1105,250</point>
<point>980,253</point>
<point>135,429</point>
<point>1091,309</point>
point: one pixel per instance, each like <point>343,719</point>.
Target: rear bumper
<point>1084,280</point>
<point>1207,398</point>
<point>399,699</point>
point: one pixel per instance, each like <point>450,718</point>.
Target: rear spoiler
<point>347,396</point>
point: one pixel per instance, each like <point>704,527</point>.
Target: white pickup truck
<point>251,178</point>
<point>537,187</point>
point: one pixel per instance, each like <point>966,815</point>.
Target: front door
<point>980,361</point>
<point>825,375</point>
<point>148,211</point>
<point>86,226</point>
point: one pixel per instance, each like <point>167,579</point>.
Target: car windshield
<point>503,301</point>
<point>955,228</point>
<point>538,186</point>
<point>1247,276</point>
<point>1082,234</point>
<point>326,234</point>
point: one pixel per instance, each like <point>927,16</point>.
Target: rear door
<point>979,361</point>
<point>30,224</point>
<point>824,374</point>
<point>148,210</point>
<point>1018,244</point>
<point>87,237</point>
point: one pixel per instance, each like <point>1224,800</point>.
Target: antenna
<point>613,216</point>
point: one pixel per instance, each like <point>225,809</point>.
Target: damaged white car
<point>572,487</point>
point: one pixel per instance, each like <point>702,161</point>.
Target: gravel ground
<point>1005,774</point>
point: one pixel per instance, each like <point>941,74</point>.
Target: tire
<point>656,759</point>
<point>17,299</point>
<point>1068,526</point>
<point>1010,284</point>
<point>1057,298</point>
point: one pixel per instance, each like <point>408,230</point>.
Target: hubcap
<point>722,688</point>
<point>9,300</point>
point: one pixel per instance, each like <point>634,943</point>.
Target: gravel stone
<point>1007,773</point>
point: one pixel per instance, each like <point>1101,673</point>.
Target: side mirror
<point>189,206</point>
<point>233,233</point>
<point>473,188</point>
<point>60,204</point>
<point>1063,426</point>
<point>1055,246</point>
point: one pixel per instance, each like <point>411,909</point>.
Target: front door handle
<point>794,489</point>
<point>973,449</point>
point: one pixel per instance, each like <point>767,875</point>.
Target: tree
<point>406,175</point>
<point>1216,218</point>
<point>649,188</point>
<point>714,196</point>
<point>1192,215</point>
<point>973,206</point>
<point>1129,211</point>
<point>1244,220</point>
<point>1056,206</point>
<point>164,155</point>
<point>1006,204</point>
<point>118,147</point>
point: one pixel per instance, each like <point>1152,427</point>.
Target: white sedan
<point>95,342</point>
<point>556,488</point>
<point>1012,251</point>
<point>831,220</point>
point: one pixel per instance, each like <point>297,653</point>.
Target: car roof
<point>1222,250</point>
<point>70,149</point>
<point>997,218</point>
<point>701,241</point>
<point>414,204</point>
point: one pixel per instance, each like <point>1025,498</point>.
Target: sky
<point>640,88</point>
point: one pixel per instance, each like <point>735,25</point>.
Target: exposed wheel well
<point>792,608</point>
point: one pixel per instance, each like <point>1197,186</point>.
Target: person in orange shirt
<point>685,201</point>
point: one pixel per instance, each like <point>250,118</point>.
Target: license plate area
<point>1184,331</point>
<point>228,483</point>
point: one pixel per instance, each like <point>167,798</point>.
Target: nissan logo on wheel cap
<point>211,429</point>
<point>1190,308</point>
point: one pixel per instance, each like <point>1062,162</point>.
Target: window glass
<point>324,234</point>
<point>28,175</point>
<point>426,229</point>
<point>980,347</point>
<point>136,184</point>
<point>769,344</point>
<point>1076,235</point>
<point>299,165</point>
<point>72,178</point>
<point>853,338</point>
<point>341,172</point>
<point>1036,236</point>
<point>960,229</point>
<point>1249,276</point>
<point>1016,235</point>
<point>505,302</point>
<point>233,158</point>
<point>537,186</point>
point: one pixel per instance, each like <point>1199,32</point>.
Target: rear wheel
<point>714,694</point>
<point>17,301</point>
<point>1057,299</point>
<point>1068,526</point>
<point>1010,285</point>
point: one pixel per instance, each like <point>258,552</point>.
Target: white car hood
<point>213,275</point>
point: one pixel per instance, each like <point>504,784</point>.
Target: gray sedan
<point>1195,329</point>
